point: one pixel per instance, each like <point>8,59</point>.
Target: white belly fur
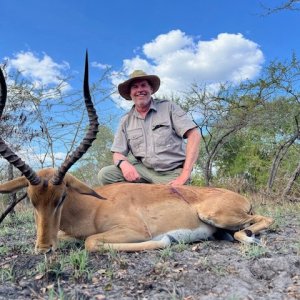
<point>203,232</point>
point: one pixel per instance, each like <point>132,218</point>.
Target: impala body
<point>125,216</point>
<point>134,217</point>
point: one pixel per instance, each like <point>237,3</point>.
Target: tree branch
<point>11,207</point>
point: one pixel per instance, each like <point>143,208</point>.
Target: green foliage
<point>197,180</point>
<point>250,131</point>
<point>245,157</point>
<point>250,153</point>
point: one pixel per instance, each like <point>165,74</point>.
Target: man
<point>153,131</point>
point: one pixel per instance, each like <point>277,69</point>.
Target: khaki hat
<point>124,88</point>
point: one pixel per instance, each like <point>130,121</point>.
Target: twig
<point>11,206</point>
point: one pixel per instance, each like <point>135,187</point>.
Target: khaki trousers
<point>112,174</point>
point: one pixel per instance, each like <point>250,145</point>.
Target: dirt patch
<point>207,270</point>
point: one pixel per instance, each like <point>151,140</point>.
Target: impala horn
<point>90,135</point>
<point>5,151</point>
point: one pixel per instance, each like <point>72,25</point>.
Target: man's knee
<point>103,176</point>
<point>109,174</point>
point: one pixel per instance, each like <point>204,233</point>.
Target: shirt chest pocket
<point>162,134</point>
<point>136,142</point>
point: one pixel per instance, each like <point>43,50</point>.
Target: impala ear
<point>80,187</point>
<point>13,185</point>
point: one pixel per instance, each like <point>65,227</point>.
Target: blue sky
<point>181,41</point>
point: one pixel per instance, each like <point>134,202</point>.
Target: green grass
<point>296,247</point>
<point>180,246</point>
<point>23,219</point>
<point>251,251</point>
<point>79,260</point>
<point>17,235</point>
<point>116,257</point>
<point>165,253</point>
<point>52,267</point>
<point>55,266</point>
<point>278,211</point>
<point>4,250</point>
<point>7,274</point>
<point>56,293</point>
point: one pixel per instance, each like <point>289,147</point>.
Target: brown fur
<point>132,214</point>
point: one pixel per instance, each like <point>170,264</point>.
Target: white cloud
<point>166,44</point>
<point>38,160</point>
<point>41,71</point>
<point>100,66</point>
<point>181,60</point>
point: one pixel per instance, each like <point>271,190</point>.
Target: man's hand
<point>129,171</point>
<point>192,150</point>
<point>180,180</point>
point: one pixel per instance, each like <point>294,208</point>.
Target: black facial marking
<point>248,232</point>
<point>62,200</point>
<point>45,183</point>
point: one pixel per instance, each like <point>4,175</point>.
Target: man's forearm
<point>192,150</point>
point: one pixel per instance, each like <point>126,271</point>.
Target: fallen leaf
<point>39,276</point>
<point>99,297</point>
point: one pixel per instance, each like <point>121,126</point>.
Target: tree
<point>252,151</point>
<point>291,5</point>
<point>16,119</point>
<point>47,120</point>
<point>44,122</point>
<point>98,156</point>
<point>219,116</point>
<point>287,191</point>
<point>256,117</point>
<point>280,84</point>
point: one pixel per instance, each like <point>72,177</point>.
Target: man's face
<point>140,92</point>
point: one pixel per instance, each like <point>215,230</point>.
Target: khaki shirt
<point>158,140</point>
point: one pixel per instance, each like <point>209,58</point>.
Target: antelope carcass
<point>124,216</point>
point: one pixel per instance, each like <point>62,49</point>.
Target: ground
<point>206,270</point>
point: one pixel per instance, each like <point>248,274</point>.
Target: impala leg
<point>61,235</point>
<point>259,223</point>
<point>130,247</point>
<point>123,240</point>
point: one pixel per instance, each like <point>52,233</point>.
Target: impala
<point>124,216</point>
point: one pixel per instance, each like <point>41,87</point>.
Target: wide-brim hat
<point>124,88</point>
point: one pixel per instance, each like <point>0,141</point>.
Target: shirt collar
<point>153,106</point>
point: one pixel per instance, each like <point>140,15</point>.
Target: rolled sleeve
<point>120,144</point>
<point>181,121</point>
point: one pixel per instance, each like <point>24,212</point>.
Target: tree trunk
<point>213,151</point>
<point>281,152</point>
<point>287,190</point>
<point>12,198</point>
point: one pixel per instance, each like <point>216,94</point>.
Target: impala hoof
<point>44,249</point>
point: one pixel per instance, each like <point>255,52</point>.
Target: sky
<point>183,42</point>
